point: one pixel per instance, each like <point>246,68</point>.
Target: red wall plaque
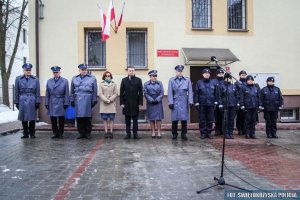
<point>167,53</point>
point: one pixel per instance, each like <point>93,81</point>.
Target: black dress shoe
<point>153,136</point>
<point>111,135</point>
<point>269,136</point>
<point>275,136</point>
<point>106,135</point>
<point>136,137</point>
<point>210,137</point>
<point>80,137</point>
<point>55,136</point>
<point>24,137</point>
<point>128,136</point>
<point>183,137</point>
<point>174,137</point>
<point>88,137</point>
<point>253,136</point>
<point>159,137</point>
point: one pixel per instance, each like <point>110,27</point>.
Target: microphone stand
<point>221,179</point>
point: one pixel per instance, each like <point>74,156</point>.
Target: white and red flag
<point>121,17</point>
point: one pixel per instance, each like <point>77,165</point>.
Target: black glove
<point>191,105</point>
<point>47,107</point>
<point>17,106</point>
<point>94,103</point>
<point>73,104</point>
<point>154,101</point>
<point>37,105</point>
<point>66,106</point>
<point>171,106</point>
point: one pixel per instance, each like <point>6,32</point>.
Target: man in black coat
<point>131,97</point>
<point>272,101</point>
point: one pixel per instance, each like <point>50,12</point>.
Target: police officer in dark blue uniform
<point>206,99</point>
<point>272,102</point>
<point>250,103</point>
<point>229,98</point>
<point>240,118</point>
<point>219,80</point>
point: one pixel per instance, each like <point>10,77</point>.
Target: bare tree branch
<point>11,61</point>
<point>6,17</point>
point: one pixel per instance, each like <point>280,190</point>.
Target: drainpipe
<point>37,50</point>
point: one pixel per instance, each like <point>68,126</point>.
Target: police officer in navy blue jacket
<point>205,100</point>
<point>229,97</point>
<point>250,104</point>
<point>219,80</point>
<point>272,102</point>
<point>240,117</point>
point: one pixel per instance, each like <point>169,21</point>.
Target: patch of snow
<point>20,170</point>
<point>5,170</point>
<point>7,114</point>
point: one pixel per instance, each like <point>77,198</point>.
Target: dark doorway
<point>195,75</point>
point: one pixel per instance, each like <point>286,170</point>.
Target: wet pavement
<point>148,168</point>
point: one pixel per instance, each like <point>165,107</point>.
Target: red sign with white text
<point>167,53</point>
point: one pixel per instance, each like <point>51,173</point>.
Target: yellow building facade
<point>263,35</point>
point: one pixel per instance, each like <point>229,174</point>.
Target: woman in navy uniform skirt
<point>154,92</point>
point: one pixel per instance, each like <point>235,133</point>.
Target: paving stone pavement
<point>148,168</point>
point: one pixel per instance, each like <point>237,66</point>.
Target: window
<point>95,49</point>
<point>24,36</point>
<point>137,48</point>
<point>201,14</point>
<point>236,14</point>
<point>289,115</point>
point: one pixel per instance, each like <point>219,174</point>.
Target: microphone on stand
<point>213,58</point>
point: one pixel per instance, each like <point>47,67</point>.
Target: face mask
<point>108,80</point>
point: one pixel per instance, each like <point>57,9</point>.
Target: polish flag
<point>103,22</point>
<point>121,17</point>
<point>106,31</point>
<point>111,9</point>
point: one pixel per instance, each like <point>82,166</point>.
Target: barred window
<point>95,49</point>
<point>201,14</point>
<point>137,48</point>
<point>237,14</point>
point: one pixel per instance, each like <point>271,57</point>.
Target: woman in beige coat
<point>108,93</point>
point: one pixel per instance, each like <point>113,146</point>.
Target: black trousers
<point>183,127</point>
<point>250,121</point>
<point>58,129</point>
<point>28,128</point>
<point>135,126</point>
<point>206,119</point>
<point>218,120</point>
<point>271,122</point>
<point>240,121</point>
<point>231,113</point>
<point>84,126</point>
